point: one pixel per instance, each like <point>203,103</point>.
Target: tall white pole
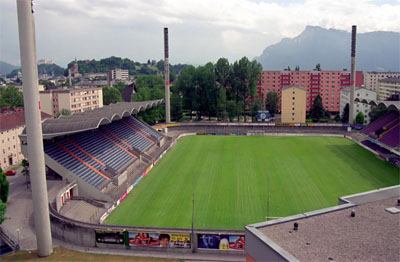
<point>166,78</point>
<point>353,73</point>
<point>26,28</point>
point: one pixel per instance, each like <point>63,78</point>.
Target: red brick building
<point>325,83</point>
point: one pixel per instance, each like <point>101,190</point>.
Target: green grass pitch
<point>232,178</point>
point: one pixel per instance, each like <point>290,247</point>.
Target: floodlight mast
<point>166,78</point>
<point>353,73</point>
<point>26,28</point>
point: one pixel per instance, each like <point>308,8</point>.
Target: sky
<point>199,30</point>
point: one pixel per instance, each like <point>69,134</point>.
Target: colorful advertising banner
<point>164,240</point>
<point>221,242</point>
<point>110,237</point>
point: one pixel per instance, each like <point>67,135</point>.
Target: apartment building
<point>293,106</point>
<point>119,74</point>
<point>360,94</point>
<point>327,84</point>
<point>73,99</point>
<point>371,79</point>
<point>388,87</point>
<point>12,122</point>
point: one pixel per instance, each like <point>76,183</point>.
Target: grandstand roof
<point>92,119</point>
<point>387,104</point>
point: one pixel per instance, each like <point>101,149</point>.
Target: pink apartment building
<point>325,83</point>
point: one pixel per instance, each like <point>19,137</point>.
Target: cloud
<point>200,30</point>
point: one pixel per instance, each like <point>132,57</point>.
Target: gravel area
<point>372,235</point>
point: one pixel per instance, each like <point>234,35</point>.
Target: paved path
<point>18,223</point>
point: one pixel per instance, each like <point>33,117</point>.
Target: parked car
<point>10,173</point>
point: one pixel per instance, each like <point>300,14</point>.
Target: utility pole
<point>27,45</point>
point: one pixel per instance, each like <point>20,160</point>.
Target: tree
<point>317,110</point>
<point>150,87</point>
<point>231,107</point>
<point>345,114</point>
<point>272,102</point>
<point>4,187</point>
<point>377,112</point>
<point>317,67</point>
<point>223,73</point>
<point>65,112</point>
<point>187,87</point>
<point>245,78</point>
<point>221,104</point>
<point>11,97</point>
<point>360,118</point>
<point>255,108</point>
<point>111,95</point>
<point>2,211</point>
<point>176,104</point>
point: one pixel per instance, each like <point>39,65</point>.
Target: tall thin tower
<point>166,77</point>
<point>27,45</point>
<point>353,73</point>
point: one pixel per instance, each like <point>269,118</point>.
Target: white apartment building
<point>73,99</point>
<point>12,122</point>
<point>371,79</point>
<point>388,87</point>
<point>360,93</point>
<point>119,74</point>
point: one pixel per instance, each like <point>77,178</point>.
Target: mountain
<point>376,51</point>
<point>6,68</point>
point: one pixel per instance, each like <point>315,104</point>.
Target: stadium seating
<point>89,154</point>
<point>385,129</point>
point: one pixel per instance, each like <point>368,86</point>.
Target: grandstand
<point>99,149</point>
<point>383,136</point>
<point>386,129</point>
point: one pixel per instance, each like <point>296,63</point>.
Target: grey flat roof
<point>92,119</point>
<point>372,235</point>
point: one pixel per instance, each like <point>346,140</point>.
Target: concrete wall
<point>85,189</point>
<point>260,248</point>
<point>46,102</point>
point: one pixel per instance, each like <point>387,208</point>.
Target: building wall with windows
<point>75,100</point>
<point>360,94</point>
<point>371,79</point>
<point>388,87</point>
<point>327,84</point>
<point>12,122</point>
<point>119,74</point>
<point>293,106</point>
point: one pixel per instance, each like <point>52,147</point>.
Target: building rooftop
<point>67,90</point>
<point>11,119</point>
<point>372,235</point>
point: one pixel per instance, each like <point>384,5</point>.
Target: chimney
<point>353,73</point>
<point>166,77</point>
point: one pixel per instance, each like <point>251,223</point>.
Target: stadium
<point>123,184</point>
<point>223,191</point>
